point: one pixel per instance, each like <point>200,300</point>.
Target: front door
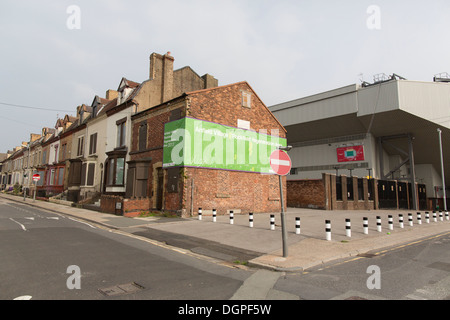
<point>159,189</point>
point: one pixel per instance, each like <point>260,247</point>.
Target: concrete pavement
<point>305,250</point>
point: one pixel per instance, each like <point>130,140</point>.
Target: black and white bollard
<point>231,217</point>
<point>434,216</point>
<point>348,228</point>
<point>297,225</point>
<point>446,216</point>
<point>199,213</point>
<point>378,223</point>
<point>419,218</point>
<point>427,217</point>
<point>366,225</point>
<point>214,215</point>
<point>441,217</point>
<point>272,222</point>
<point>328,230</point>
<point>410,219</point>
<point>391,222</point>
<point>250,219</point>
<point>400,220</point>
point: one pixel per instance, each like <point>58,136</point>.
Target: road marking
<point>23,227</point>
<point>23,298</point>
<point>83,223</point>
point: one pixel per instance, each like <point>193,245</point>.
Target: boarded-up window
<point>173,178</point>
<point>175,114</point>
<point>75,173</point>
<point>246,99</point>
<point>91,174</point>
<point>83,174</point>
<point>143,136</point>
<point>141,180</point>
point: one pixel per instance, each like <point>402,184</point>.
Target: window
<point>246,99</point>
<point>143,136</point>
<point>93,144</point>
<point>80,147</point>
<point>60,176</point>
<point>52,177</point>
<point>121,132</point>
<point>116,169</point>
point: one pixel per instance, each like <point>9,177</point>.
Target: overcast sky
<point>52,58</point>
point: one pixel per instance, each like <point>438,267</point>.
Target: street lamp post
<point>442,169</point>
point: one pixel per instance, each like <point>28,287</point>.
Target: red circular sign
<point>36,177</point>
<point>280,162</point>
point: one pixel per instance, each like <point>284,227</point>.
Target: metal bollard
<point>214,215</point>
<point>272,222</point>
<point>366,225</point>
<point>348,228</point>
<point>231,217</point>
<point>391,222</point>
<point>199,213</point>
<point>328,230</point>
<point>297,225</point>
<point>400,220</point>
<point>250,219</point>
<point>378,223</point>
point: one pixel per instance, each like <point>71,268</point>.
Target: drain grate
<point>121,289</point>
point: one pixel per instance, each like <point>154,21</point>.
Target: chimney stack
<point>161,70</point>
<point>111,94</point>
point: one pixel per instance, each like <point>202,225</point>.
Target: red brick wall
<point>108,204</point>
<point>306,194</point>
<point>232,190</point>
<point>133,207</point>
<point>224,105</point>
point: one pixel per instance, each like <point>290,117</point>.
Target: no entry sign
<point>36,177</point>
<point>280,162</point>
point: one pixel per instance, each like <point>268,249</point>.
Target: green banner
<point>191,142</point>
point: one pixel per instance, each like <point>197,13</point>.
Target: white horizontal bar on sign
<point>280,162</point>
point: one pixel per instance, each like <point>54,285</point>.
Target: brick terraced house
<point>204,149</point>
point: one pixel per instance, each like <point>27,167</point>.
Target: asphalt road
<point>41,252</point>
<point>416,271</point>
<point>38,249</point>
